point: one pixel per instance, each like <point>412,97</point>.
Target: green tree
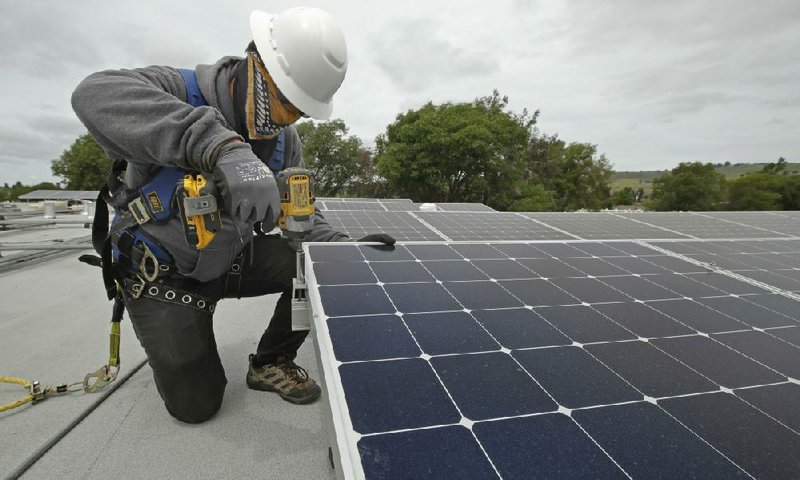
<point>577,177</point>
<point>456,152</point>
<point>533,197</point>
<point>626,196</point>
<point>773,188</point>
<point>689,186</point>
<point>83,166</point>
<point>331,155</point>
<point>368,183</point>
<point>756,191</point>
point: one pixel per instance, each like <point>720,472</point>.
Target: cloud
<point>415,53</point>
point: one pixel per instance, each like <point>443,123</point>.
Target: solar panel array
<point>59,195</point>
<point>562,345</point>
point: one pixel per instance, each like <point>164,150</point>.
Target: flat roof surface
<point>54,328</point>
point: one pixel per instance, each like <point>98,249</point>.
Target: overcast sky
<point>651,83</point>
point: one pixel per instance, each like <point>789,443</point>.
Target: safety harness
<point>130,259</point>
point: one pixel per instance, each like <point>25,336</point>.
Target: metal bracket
<point>201,205</point>
<point>301,313</point>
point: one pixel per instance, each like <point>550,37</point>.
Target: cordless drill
<point>296,188</point>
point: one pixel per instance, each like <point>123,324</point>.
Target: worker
<point>231,122</point>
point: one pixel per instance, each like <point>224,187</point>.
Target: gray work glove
<point>247,186</point>
<point>383,238</point>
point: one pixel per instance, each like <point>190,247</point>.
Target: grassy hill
<point>644,179</point>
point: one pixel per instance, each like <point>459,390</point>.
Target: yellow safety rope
<point>22,401</point>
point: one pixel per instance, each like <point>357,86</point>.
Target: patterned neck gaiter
<point>266,110</point>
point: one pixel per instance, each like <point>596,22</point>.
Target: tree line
<point>482,151</point>
<point>699,187</point>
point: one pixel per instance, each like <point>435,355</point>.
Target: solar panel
<point>600,226</point>
<point>773,262</point>
<point>699,225</point>
<point>351,205</point>
<point>779,223</point>
<point>401,225</point>
<point>60,195</point>
<point>563,359</point>
<point>464,207</point>
<point>460,226</point>
<point>399,205</point>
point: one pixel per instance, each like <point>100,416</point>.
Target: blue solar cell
<point>481,295</point>
<point>652,372</point>
<point>504,269</point>
<point>642,320</point>
<point>335,253</point>
<point>519,328</point>
<point>388,272</point>
<point>376,253</point>
<point>682,285</point>
<point>545,446</point>
<point>491,385</point>
<point>725,283</point>
<point>648,443</point>
<point>395,395</point>
<point>348,300</point>
<point>697,316</point>
<point>594,266</point>
<point>475,251</point>
<point>550,268</point>
<point>635,265</point>
<point>590,290</point>
<point>639,288</point>
<point>574,378</point>
<point>421,297</point>
<point>791,335</point>
<point>774,353</point>
<point>758,444</point>
<point>778,401</point>
<point>451,332</point>
<point>370,338</point>
<point>519,250</point>
<point>748,313</point>
<point>561,250</point>
<point>717,362</point>
<point>433,252</point>
<point>343,273</point>
<point>538,292</point>
<point>448,452</point>
<point>584,325</point>
<point>454,270</point>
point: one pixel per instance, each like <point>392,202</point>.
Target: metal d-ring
<point>148,256</point>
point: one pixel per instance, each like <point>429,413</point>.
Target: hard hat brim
<point>266,49</point>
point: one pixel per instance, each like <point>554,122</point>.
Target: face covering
<point>266,111</point>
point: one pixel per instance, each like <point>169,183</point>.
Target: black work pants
<point>179,340</point>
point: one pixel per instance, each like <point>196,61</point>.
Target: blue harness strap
<point>194,96</point>
<point>277,160</point>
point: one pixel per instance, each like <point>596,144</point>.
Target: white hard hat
<point>305,53</point>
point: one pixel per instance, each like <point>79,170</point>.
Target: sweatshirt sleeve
<point>141,116</point>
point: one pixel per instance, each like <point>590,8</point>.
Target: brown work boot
<point>285,378</point>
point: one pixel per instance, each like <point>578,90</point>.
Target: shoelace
<point>294,371</point>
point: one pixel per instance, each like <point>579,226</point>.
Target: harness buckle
<point>148,257</point>
<point>139,211</point>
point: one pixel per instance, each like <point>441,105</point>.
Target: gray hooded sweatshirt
<point>141,116</point>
